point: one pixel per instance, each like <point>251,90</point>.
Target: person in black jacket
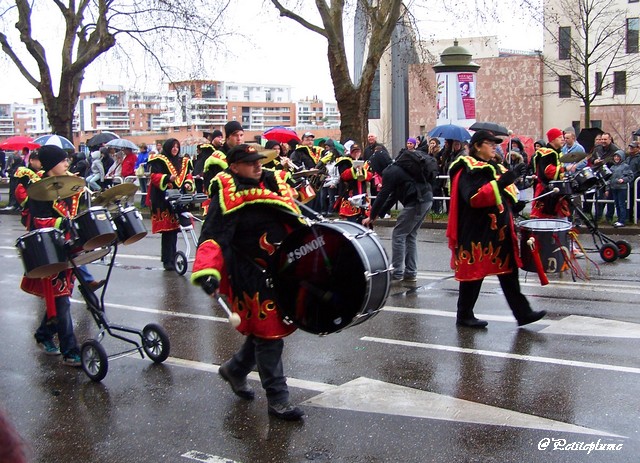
<point>408,180</point>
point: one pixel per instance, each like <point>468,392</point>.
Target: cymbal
<point>573,157</point>
<point>304,173</point>
<point>116,193</point>
<point>58,187</point>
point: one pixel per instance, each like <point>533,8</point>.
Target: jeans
<point>620,200</point>
<point>404,238</point>
<point>266,354</point>
<point>600,195</point>
<point>92,181</point>
<point>63,326</point>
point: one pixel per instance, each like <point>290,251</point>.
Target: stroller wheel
<point>181,263</point>
<point>609,252</point>
<point>155,342</point>
<point>95,362</point>
<point>624,248</point>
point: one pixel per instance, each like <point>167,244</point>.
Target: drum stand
<point>609,249</point>
<point>153,339</point>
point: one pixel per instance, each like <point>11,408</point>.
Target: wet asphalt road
<point>404,386</point>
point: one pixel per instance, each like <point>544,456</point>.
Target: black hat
<point>212,135</point>
<point>51,156</point>
<point>34,154</point>
<point>243,153</point>
<point>232,127</point>
<point>270,144</point>
<point>484,135</point>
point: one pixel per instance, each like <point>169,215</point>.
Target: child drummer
<point>55,289</point>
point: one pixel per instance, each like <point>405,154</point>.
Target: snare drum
<point>42,252</point>
<point>604,172</point>
<point>95,228</point>
<point>330,276</point>
<point>563,186</point>
<point>552,243</point>
<point>584,180</point>
<point>129,226</point>
<point>305,192</point>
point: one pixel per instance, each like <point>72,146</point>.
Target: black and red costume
<point>547,167</point>
<point>247,218</point>
<point>482,236</point>
<point>353,181</point>
<point>163,219</point>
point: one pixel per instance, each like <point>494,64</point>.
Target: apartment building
<point>614,67</point>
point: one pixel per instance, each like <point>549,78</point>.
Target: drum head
<point>319,279</point>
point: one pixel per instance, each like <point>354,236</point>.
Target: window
<point>564,87</point>
<point>374,98</point>
<point>564,43</point>
<point>596,123</point>
<point>620,83</point>
<point>598,83</point>
<point>633,27</point>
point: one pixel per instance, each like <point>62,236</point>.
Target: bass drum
<point>42,252</point>
<point>330,276</point>
<point>129,226</point>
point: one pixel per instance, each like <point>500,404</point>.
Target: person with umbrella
<point>481,230</point>
<point>169,171</point>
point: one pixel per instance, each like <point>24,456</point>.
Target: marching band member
<point>56,289</point>
<point>168,171</point>
<point>547,167</point>
<point>481,231</point>
<point>354,182</point>
<point>251,209</point>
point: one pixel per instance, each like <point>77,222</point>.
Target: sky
<point>280,51</point>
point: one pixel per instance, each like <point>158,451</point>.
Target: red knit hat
<point>553,133</point>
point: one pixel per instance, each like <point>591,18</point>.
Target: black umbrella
<point>101,138</point>
<point>587,137</point>
<point>492,127</point>
<point>637,133</point>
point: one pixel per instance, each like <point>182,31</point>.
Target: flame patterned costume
<point>481,231</point>
<point>354,181</point>
<point>246,219</point>
<point>547,167</point>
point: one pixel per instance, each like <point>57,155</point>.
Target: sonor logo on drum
<point>305,249</point>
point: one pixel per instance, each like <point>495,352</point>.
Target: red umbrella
<point>18,142</point>
<point>281,134</point>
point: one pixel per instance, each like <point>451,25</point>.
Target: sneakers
<point>49,347</point>
<point>618,225</point>
<point>238,385</point>
<point>72,360</point>
<point>286,412</point>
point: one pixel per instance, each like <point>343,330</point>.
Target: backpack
<point>423,168</point>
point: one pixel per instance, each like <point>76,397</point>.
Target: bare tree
<point>353,98</point>
<point>91,28</point>
<point>590,36</point>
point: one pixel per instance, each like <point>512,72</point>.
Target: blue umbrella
<point>55,140</point>
<point>450,132</point>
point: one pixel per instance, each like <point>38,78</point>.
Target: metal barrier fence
<point>631,205</point>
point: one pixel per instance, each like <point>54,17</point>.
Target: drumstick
<point>234,318</point>
<point>555,190</point>
<point>537,261</point>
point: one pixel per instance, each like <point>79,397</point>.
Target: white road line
<point>488,353</point>
<point>205,457</point>
<point>159,312</point>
